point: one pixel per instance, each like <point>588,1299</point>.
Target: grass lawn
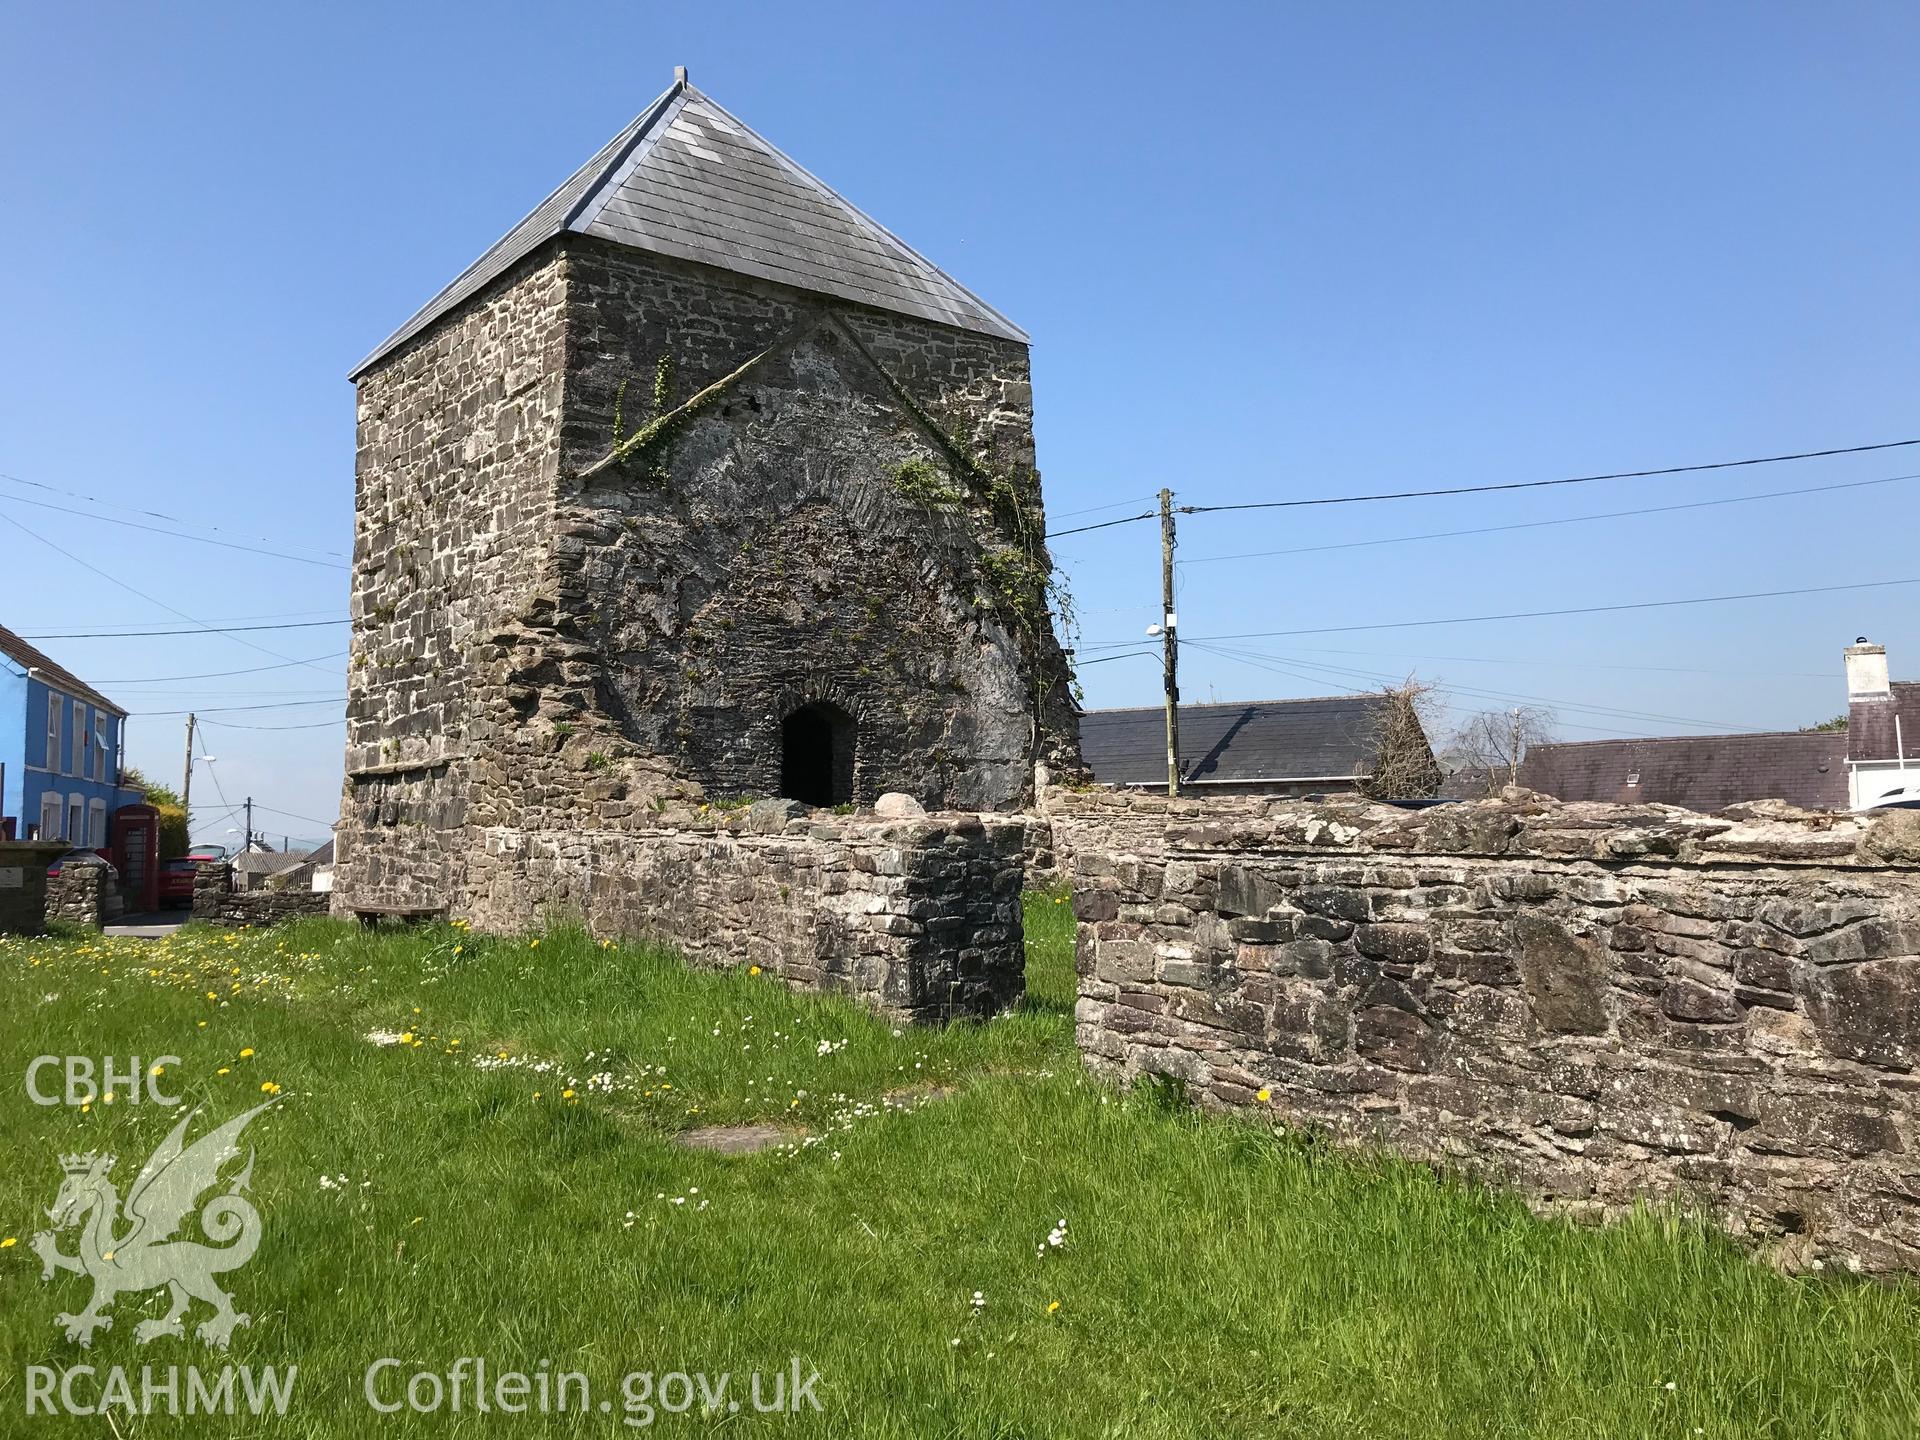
<point>473,1154</point>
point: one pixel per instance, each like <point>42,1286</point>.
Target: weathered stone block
<point>1565,976</point>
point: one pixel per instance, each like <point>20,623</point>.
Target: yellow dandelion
<point>9,1242</point>
<point>224,1070</point>
<point>406,1037</point>
<point>1052,1306</point>
<point>536,1094</point>
<point>269,1087</point>
<point>203,1024</point>
<point>161,1069</point>
<point>247,1054</point>
<point>566,1094</point>
<point>1263,1096</point>
<point>533,944</point>
<point>753,969</point>
<point>86,1107</point>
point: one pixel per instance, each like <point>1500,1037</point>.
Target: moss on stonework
<point>921,483</point>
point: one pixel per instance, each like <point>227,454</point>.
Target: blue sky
<point>1265,252</point>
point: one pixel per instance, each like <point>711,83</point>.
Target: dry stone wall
<point>919,918</point>
<point>216,902</point>
<point>80,893</point>
<point>1599,1003</point>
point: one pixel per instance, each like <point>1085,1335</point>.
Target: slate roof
<point>1330,738</point>
<point>266,862</point>
<point>54,673</point>
<point>1807,768</point>
<point>689,180</point>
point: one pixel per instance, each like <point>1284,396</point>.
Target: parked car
<point>1901,797</point>
<point>207,852</point>
<point>176,881</point>
<point>91,856</point>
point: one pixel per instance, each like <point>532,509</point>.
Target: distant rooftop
<point>1807,768</point>
<point>1331,739</point>
<point>687,179</point>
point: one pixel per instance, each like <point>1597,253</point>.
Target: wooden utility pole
<point>186,780</point>
<point>1169,644</point>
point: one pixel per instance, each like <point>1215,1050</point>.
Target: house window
<point>76,820</point>
<point>53,739</point>
<point>50,817</point>
<point>79,766</point>
<point>99,745</point>
<point>97,825</point>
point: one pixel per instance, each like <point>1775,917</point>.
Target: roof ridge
<point>1229,704</point>
<point>648,126</point>
<point>31,657</point>
<point>1673,739</point>
<point>854,258</point>
<point>820,185</point>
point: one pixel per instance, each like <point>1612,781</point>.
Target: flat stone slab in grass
<point>734,1139</point>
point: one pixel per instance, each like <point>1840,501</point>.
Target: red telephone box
<point>136,851</point>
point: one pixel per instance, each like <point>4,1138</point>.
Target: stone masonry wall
<point>457,453</point>
<point>78,894</point>
<point>216,902</point>
<point>1596,1002</point>
<point>767,555</point>
<point>918,918</point>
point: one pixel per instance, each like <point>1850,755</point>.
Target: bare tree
<point>1403,763</point>
<point>1493,743</point>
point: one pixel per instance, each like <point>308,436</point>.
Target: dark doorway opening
<point>816,755</point>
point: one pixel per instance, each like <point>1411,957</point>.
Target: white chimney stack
<point>1867,671</point>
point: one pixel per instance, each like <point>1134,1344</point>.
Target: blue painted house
<point>59,749</point>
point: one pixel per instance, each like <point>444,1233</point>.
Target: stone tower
<point>698,485</point>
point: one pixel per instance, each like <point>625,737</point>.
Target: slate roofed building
<point>699,483</point>
<point>1254,747</point>
<point>1697,772</point>
<point>59,749</point>
<point>1848,768</point>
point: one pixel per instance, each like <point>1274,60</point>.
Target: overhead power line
<point>315,725</point>
<point>1487,489</point>
<point>288,814</point>
<point>223,674</point>
<point>236,709</point>
<point>1504,696</point>
<point>1096,509</point>
<point>176,534</point>
<point>201,630</point>
<point>1544,524</point>
<point>200,626</point>
<point>1536,614</point>
<point>1544,484</point>
<point>1535,661</point>
<point>67,493</point>
<point>1104,524</point>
